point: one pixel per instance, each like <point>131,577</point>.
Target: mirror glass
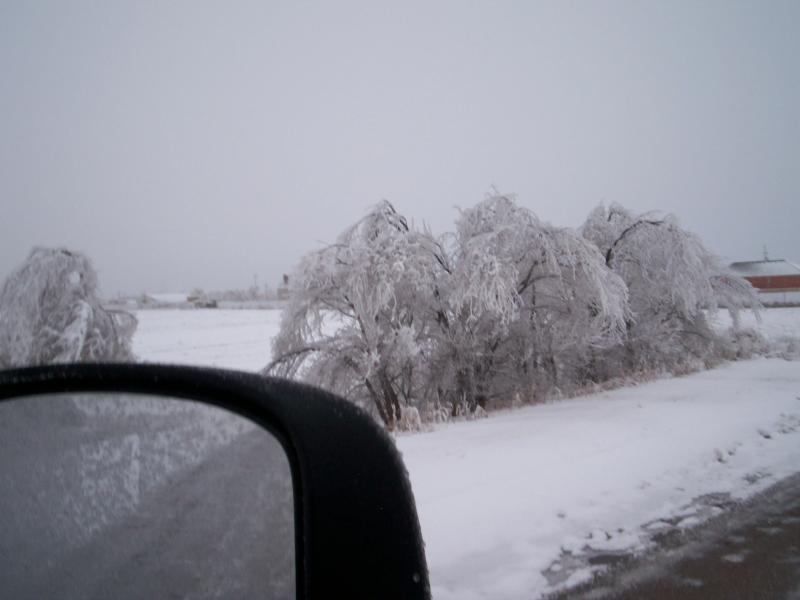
<point>134,496</point>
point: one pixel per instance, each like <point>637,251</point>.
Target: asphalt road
<point>751,551</point>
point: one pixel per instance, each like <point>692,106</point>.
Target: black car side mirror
<point>308,495</point>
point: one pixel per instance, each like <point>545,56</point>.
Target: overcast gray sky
<point>184,144</point>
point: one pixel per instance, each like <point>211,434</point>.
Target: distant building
<point>165,300</point>
<point>199,299</point>
<point>196,299</point>
<point>777,281</point>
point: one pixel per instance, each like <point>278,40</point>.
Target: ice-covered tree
<point>530,302</point>
<point>673,282</point>
<point>50,313</point>
<point>358,316</point>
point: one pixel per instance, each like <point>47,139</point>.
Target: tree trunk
<point>391,402</point>
<point>465,389</point>
<point>385,415</point>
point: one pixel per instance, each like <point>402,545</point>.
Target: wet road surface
<point>750,551</point>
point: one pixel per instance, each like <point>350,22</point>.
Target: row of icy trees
<point>50,313</point>
<point>507,309</point>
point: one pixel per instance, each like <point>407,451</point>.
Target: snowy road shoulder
<point>502,501</point>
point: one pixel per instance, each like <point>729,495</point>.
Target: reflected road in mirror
<point>128,496</point>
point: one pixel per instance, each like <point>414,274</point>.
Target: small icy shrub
<point>744,343</point>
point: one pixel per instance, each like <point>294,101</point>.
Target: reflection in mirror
<point>127,496</point>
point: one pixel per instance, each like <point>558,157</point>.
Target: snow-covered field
<point>774,323</point>
<point>509,504</point>
<point>231,339</point>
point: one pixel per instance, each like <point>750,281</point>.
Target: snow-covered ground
<point>509,504</point>
<point>775,323</point>
<point>231,339</point>
<point>501,499</point>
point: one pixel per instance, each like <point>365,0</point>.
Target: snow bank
<point>501,499</point>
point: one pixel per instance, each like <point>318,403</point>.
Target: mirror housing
<point>357,533</point>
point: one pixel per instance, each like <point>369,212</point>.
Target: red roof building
<point>778,281</point>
